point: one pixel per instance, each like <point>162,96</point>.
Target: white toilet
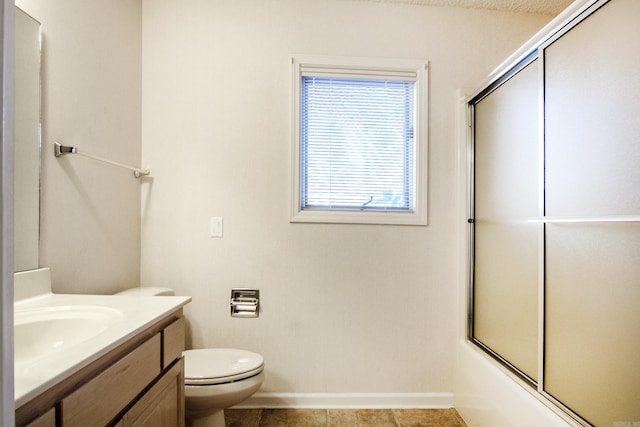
<point>218,378</point>
<point>215,378</point>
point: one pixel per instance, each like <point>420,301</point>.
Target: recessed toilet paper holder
<point>245,302</point>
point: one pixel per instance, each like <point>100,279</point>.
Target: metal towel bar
<point>59,150</point>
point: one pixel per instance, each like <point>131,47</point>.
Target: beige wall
<point>90,214</point>
<point>346,308</point>
<point>352,309</point>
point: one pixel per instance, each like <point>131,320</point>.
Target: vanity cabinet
<point>48,419</point>
<point>162,405</point>
<point>139,383</point>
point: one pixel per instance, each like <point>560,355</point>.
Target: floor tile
<point>360,418</point>
<point>293,418</point>
<point>343,418</point>
<point>242,417</point>
<point>457,416</point>
<point>426,418</point>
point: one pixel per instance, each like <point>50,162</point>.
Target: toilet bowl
<point>218,378</point>
<point>215,378</point>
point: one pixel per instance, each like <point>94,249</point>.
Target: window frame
<point>361,67</point>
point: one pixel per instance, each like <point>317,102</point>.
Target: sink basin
<point>40,331</point>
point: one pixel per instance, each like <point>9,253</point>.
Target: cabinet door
<point>47,419</point>
<point>506,251</point>
<point>592,320</point>
<point>163,404</point>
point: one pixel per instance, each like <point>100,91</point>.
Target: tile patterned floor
<point>343,418</point>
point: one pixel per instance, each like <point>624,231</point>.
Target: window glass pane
<point>357,144</point>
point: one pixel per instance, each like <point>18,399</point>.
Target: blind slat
<point>357,142</point>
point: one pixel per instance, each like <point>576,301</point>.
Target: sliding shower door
<point>592,254</point>
<point>506,251</point>
<point>555,218</point>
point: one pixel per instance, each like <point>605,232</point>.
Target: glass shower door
<point>506,245</point>
<point>592,244</point>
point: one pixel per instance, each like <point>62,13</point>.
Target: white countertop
<point>137,313</point>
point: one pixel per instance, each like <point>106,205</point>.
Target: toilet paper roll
<point>244,307</point>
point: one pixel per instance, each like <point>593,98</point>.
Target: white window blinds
<point>357,145</point>
<point>359,140</point>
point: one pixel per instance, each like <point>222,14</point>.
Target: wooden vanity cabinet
<point>140,383</point>
<point>47,419</point>
<point>162,405</point>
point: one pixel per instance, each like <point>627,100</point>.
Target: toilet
<point>218,378</point>
<point>214,378</point>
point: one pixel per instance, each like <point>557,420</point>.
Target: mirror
<point>27,142</point>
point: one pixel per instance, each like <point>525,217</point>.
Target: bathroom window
<point>359,141</point>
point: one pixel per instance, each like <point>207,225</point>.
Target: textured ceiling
<point>547,7</point>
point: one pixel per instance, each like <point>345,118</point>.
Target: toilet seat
<point>211,366</point>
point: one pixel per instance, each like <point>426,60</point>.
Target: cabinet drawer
<point>172,342</point>
<point>101,399</point>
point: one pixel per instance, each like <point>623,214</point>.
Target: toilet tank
<point>147,291</point>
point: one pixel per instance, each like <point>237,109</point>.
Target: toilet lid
<point>220,365</point>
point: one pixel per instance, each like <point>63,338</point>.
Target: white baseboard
<point>349,400</point>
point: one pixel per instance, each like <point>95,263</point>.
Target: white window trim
<point>334,65</point>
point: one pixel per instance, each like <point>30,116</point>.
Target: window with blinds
<point>359,143</point>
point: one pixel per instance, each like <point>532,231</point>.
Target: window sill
<point>359,217</point>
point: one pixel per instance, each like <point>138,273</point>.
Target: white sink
<point>56,335</point>
<point>39,332</point>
